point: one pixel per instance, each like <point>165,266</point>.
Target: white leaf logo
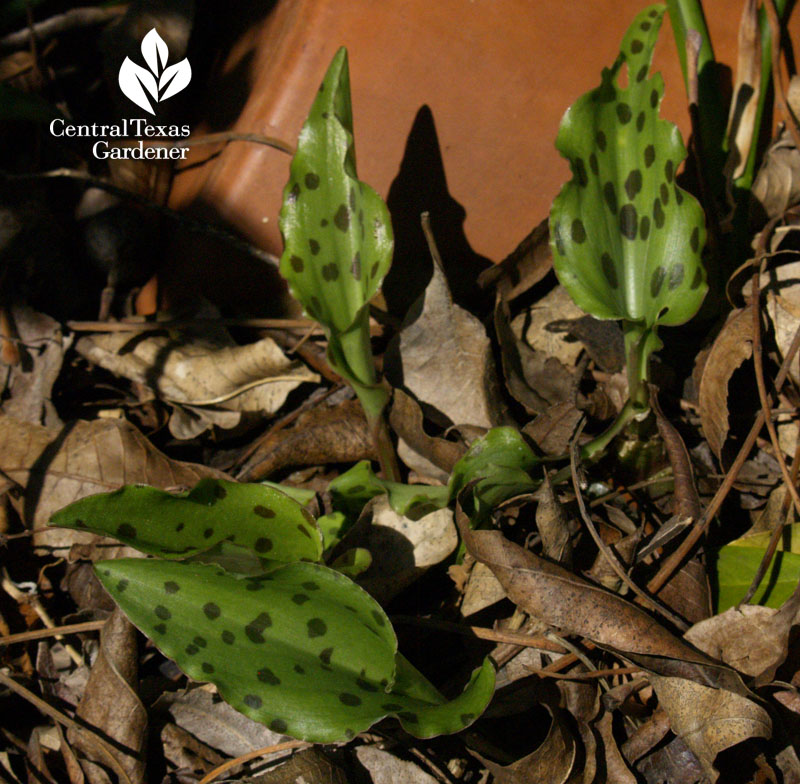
<point>161,81</point>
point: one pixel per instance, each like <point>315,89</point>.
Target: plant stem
<point>384,446</point>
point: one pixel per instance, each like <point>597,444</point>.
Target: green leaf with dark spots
<point>240,526</point>
<point>301,649</point>
<point>626,239</point>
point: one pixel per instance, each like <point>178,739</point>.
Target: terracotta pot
<point>456,104</point>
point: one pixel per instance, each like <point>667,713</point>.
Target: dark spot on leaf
<point>263,544</point>
<point>600,138</point>
<point>658,214</point>
<point>300,598</point>
<point>654,99</point>
<point>312,181</point>
<point>317,627</point>
<point>578,231</point>
<point>353,199</point>
<point>228,637</point>
<point>694,240</point>
<point>678,195</point>
<point>207,667</point>
<point>208,533</point>
<point>379,619</point>
<point>299,670</point>
<point>303,530</point>
<point>355,266</point>
<point>212,611</point>
<point>640,122</point>
<point>191,650</point>
<point>641,74</point>
<point>325,655</point>
<point>580,172</point>
<point>664,193</point>
<point>254,585</point>
<point>179,527</point>
<point>628,221</point>
<point>297,263</point>
<point>653,14</point>
<point>675,276</point>
<point>162,612</point>
<point>263,511</point>
<point>323,222</point>
<point>636,46</point>
<point>266,675</point>
<point>254,629</point>
<point>669,170</point>
<point>314,247</point>
<point>325,115</point>
<point>408,716</point>
<point>644,227</point>
<point>122,585</point>
<point>330,271</point>
<point>633,184</point>
<point>161,628</point>
<point>315,305</point>
<point>610,196</point>
<point>392,706</point>
<point>593,164</point>
<point>278,725</point>
<point>79,523</point>
<point>127,531</point>
<point>252,701</point>
<point>294,193</point>
<point>171,586</point>
<point>342,218</point>
<point>352,609</point>
<point>220,492</point>
<point>645,26</point>
<point>309,585</point>
<point>199,641</point>
<point>365,685</point>
<point>657,280</point>
<point>349,699</point>
<point>697,279</point>
<point>374,271</point>
<point>624,113</point>
<point>649,155</point>
<point>349,734</point>
<point>607,265</point>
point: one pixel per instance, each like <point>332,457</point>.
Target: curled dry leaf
<point>731,348</point>
<point>386,768</point>
<point>569,603</point>
<point>443,356</point>
<point>553,525</point>
<point>209,370</point>
<point>111,706</point>
<point>709,720</point>
<point>55,467</point>
<point>483,590</point>
<point>325,434</point>
<point>553,430</point>
<point>30,382</point>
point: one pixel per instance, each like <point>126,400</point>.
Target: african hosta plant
<point>237,596</point>
<point>626,239</point>
<point>338,244</point>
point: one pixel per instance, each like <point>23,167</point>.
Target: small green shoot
<point>338,244</point>
<point>626,239</point>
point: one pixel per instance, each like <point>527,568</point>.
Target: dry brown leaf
<point>111,706</point>
<point>325,434</point>
<point>616,767</point>
<point>207,370</point>
<point>55,467</point>
<point>566,602</point>
<point>709,720</point>
<point>672,762</point>
<point>483,590</point>
<point>30,382</point>
<point>386,768</point>
<point>554,428</point>
<point>406,420</point>
<point>732,347</point>
<point>553,525</point>
<point>443,356</point>
<point>752,639</point>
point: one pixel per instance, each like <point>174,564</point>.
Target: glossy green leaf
<point>789,541</point>
<point>240,526</point>
<point>500,461</point>
<point>736,567</point>
<point>301,649</point>
<point>626,239</point>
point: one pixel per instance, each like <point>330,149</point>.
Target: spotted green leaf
<point>301,649</point>
<point>239,526</point>
<point>626,238</point>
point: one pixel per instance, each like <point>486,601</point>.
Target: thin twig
<point>39,634</point>
<point>583,676</point>
<point>212,401</point>
<point>286,746</point>
<point>606,550</point>
<point>89,734</point>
